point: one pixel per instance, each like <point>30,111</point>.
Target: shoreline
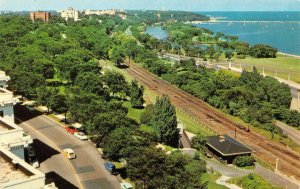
<point>290,55</point>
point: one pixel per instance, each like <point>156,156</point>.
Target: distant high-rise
<point>70,13</point>
<point>44,16</point>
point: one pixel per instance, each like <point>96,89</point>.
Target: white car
<point>69,153</point>
<point>126,185</point>
<point>80,135</point>
<point>30,108</point>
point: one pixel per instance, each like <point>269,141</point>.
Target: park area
<point>285,67</point>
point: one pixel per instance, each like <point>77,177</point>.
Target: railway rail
<point>289,160</point>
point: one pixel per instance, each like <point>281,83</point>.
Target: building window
<point>1,114</point>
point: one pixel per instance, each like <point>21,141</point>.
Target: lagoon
<point>157,32</point>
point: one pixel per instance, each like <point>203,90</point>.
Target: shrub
<point>147,114</point>
<point>243,161</point>
<point>198,142</point>
<point>241,56</point>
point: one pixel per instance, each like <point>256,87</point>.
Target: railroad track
<point>289,161</point>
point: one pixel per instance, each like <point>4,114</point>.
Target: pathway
<point>292,132</point>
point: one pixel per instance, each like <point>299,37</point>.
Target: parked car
<point>30,108</point>
<point>71,129</point>
<point>67,121</point>
<point>111,168</point>
<point>30,157</point>
<point>69,153</point>
<point>126,185</point>
<point>81,135</point>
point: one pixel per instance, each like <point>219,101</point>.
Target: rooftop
<point>15,171</point>
<point>4,126</point>
<point>227,146</point>
<point>9,173</point>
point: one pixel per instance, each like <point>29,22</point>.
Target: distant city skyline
<point>188,5</point>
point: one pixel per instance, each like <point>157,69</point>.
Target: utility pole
<point>298,103</point>
<point>235,132</point>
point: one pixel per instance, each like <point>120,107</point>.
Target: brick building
<point>44,16</point>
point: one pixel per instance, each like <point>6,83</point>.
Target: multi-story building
<point>111,12</point>
<point>70,13</point>
<point>13,138</point>
<point>44,16</point>
<point>7,101</point>
<point>15,173</point>
<point>3,79</point>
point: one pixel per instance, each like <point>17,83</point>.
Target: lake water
<point>157,32</point>
<point>284,35</point>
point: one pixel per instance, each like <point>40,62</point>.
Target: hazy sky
<point>191,5</point>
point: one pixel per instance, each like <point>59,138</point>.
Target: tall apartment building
<point>40,16</point>
<point>7,101</point>
<point>70,13</point>
<point>13,138</point>
<point>15,173</point>
<point>3,79</point>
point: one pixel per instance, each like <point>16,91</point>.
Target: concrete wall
<point>8,112</point>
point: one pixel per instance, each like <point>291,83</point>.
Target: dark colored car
<point>71,129</point>
<point>110,167</point>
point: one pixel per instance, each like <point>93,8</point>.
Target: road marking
<point>50,141</point>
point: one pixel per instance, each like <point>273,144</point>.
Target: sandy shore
<point>291,55</point>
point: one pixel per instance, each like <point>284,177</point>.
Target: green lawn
<point>284,65</point>
<point>211,179</point>
<point>192,125</point>
<point>253,181</point>
<point>133,113</point>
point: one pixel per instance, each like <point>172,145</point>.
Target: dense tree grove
<point>57,65</point>
<point>164,121</point>
<point>263,51</point>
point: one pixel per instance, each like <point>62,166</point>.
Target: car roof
<point>68,150</point>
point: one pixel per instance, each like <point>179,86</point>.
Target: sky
<point>188,5</point>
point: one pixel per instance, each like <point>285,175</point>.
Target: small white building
<point>15,173</point>
<point>70,13</point>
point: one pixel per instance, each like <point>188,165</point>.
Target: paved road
<point>292,132</point>
<point>87,168</point>
<point>270,176</point>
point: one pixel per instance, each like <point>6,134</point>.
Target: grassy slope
<point>282,64</point>
<point>253,182</point>
<point>211,179</point>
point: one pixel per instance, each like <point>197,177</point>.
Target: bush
<point>198,142</point>
<point>147,114</point>
<point>241,56</point>
<point>243,161</point>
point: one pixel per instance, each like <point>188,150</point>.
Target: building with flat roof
<point>226,148</point>
<point>44,16</point>
<point>15,173</point>
<point>70,13</point>
<point>120,13</point>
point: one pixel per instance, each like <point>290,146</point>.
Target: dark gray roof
<point>227,146</point>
